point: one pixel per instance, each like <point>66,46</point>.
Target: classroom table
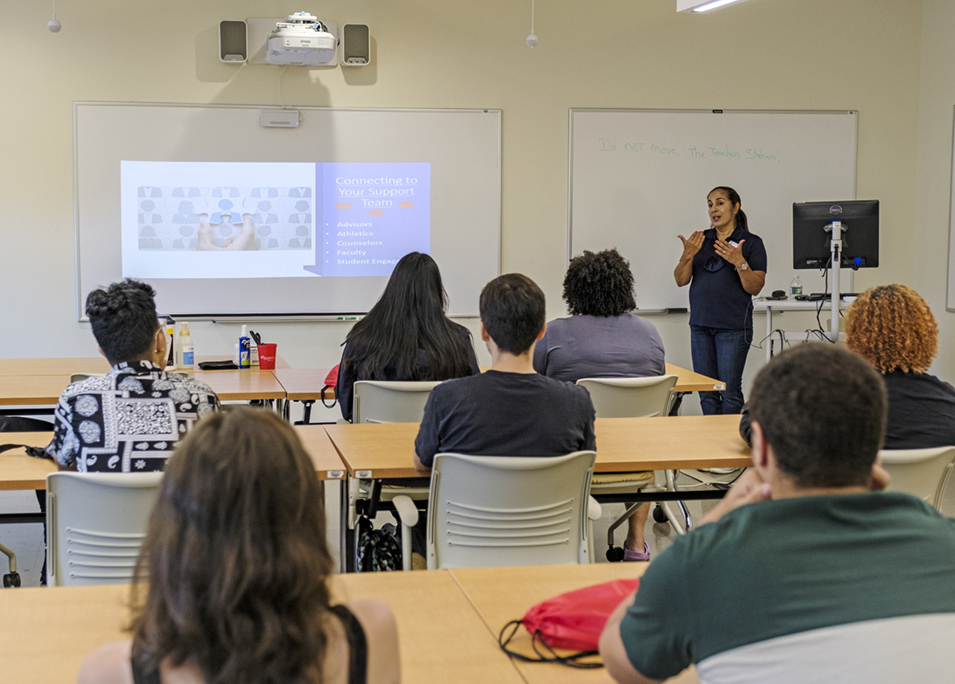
<point>47,632</point>
<point>384,450</point>
<point>19,471</point>
<point>500,595</point>
<point>88,364</point>
<point>376,451</point>
<point>308,384</point>
<point>44,389</point>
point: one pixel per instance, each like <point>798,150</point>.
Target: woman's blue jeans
<point>721,354</point>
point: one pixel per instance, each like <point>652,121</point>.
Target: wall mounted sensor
<point>279,118</point>
<point>355,45</point>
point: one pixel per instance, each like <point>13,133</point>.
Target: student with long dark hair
<point>406,335</point>
<point>237,565</point>
<point>725,268</point>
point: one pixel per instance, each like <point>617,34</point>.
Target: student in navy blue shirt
<point>725,268</point>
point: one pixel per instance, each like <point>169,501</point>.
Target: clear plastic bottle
<point>185,351</point>
<point>795,287</point>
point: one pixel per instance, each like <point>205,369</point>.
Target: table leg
<point>769,333</point>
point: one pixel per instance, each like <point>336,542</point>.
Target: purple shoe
<point>634,556</point>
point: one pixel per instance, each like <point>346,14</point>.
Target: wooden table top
<point>319,446</point>
<point>19,471</point>
<point>39,381</point>
<point>304,384</point>
<point>87,364</point>
<point>500,595</point>
<point>47,632</point>
<point>242,385</point>
<point>441,636</point>
<point>381,450</point>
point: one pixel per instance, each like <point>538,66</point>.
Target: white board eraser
<point>279,118</point>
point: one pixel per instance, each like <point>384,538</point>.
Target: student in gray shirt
<point>601,339</point>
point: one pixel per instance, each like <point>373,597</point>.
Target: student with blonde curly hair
<point>893,327</point>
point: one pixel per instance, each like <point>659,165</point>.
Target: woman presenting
<point>725,267</point>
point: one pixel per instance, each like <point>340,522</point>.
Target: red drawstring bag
<point>572,621</point>
<point>332,378</point>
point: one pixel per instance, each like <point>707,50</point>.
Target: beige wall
<point>929,233</point>
<point>761,54</point>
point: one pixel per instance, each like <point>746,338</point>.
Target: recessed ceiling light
<point>701,5</point>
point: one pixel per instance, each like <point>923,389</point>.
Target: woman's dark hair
<point>123,319</point>
<point>599,284</point>
<point>733,196</point>
<point>513,312</point>
<point>235,557</point>
<point>409,317</point>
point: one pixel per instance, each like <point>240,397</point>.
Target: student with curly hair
<point>893,327</point>
<point>601,338</point>
<point>237,568</point>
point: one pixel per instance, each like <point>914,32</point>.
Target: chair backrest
<point>381,401</point>
<point>509,510</point>
<point>630,397</point>
<point>922,472</point>
<point>96,523</point>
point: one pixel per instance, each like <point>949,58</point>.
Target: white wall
<point>928,237</point>
<point>761,54</point>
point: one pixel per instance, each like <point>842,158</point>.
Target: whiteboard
<point>163,152</point>
<point>950,298</point>
<point>639,178</point>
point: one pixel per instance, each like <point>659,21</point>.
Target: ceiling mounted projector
<point>301,40</point>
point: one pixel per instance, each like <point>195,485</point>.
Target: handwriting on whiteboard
<point>699,152</point>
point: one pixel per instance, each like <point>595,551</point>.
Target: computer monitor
<point>860,233</point>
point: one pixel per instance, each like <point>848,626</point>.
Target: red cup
<point>266,356</point>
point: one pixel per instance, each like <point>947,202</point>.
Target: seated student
<point>406,335</point>
<point>130,419</point>
<point>827,581</point>
<point>509,410</point>
<point>893,327</point>
<point>602,339</point>
<point>237,567</point>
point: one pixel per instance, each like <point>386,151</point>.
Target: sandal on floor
<point>634,556</point>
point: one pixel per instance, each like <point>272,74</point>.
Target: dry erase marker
<point>348,318</point>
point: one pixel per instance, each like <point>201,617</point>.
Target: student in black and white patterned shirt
<point>130,419</point>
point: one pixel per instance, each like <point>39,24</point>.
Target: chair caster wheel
<point>660,515</point>
<point>11,580</point>
<point>615,554</point>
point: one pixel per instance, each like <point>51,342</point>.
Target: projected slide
<point>271,220</point>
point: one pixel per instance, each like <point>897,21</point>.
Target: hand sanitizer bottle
<point>245,360</point>
<point>185,351</point>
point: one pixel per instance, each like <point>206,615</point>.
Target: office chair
<point>922,472</point>
<point>96,523</point>
<point>505,510</point>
